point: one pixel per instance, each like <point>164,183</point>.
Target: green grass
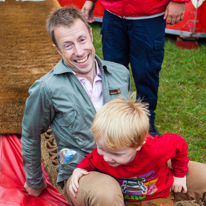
<point>181,105</point>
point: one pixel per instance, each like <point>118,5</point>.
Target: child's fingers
<point>176,188</point>
<point>72,191</point>
<point>85,172</point>
<point>76,185</point>
<point>73,194</point>
<point>76,180</point>
<point>180,189</point>
<point>184,189</point>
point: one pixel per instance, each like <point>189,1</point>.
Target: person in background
<point>133,32</point>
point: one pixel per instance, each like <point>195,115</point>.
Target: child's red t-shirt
<point>148,175</point>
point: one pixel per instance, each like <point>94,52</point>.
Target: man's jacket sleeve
<point>37,118</point>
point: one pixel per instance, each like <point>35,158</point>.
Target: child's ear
<point>139,148</point>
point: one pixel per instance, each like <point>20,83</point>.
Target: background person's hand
<point>88,9</point>
<point>74,181</point>
<point>179,184</point>
<point>35,192</point>
<point>174,12</point>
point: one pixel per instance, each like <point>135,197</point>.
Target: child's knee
<point>98,189</point>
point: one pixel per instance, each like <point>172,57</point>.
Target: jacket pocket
<point>65,170</point>
<point>72,119</point>
<point>158,54</point>
<point>159,44</point>
<point>73,123</point>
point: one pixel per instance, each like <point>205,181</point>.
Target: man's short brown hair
<point>64,16</point>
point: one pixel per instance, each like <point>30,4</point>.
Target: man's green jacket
<point>59,100</point>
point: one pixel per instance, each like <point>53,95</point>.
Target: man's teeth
<point>82,60</point>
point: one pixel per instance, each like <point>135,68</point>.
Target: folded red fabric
<point>12,178</point>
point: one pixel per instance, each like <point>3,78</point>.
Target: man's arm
<point>35,192</point>
<point>174,12</point>
<point>88,9</point>
<point>36,121</point>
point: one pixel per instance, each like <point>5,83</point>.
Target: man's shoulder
<point>48,76</point>
<point>113,67</point>
<point>49,80</point>
<point>56,73</point>
<point>117,73</point>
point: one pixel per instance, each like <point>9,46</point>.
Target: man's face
<point>76,47</point>
<point>117,157</point>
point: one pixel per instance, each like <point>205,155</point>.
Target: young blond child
<point>136,160</point>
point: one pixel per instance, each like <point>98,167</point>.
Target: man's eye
<point>67,46</point>
<point>83,39</point>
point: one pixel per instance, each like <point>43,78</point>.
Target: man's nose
<point>79,50</point>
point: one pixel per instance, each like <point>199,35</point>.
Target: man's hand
<point>88,9</point>
<point>74,181</point>
<point>179,184</point>
<point>35,192</point>
<point>174,12</point>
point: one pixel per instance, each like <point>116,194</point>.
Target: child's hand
<point>74,185</point>
<point>178,184</point>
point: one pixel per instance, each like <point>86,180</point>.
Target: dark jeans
<point>140,43</point>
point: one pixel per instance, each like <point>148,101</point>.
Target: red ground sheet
<point>12,178</point>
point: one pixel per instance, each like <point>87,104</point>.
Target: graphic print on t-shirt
<point>138,188</point>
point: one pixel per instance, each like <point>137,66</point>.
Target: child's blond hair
<point>121,123</point>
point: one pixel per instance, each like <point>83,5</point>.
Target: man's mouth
<point>82,60</point>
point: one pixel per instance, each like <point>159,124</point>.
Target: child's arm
<point>174,147</point>
<point>74,180</point>
<point>180,166</point>
<point>179,184</point>
<point>88,163</point>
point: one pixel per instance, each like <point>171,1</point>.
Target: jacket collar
<point>102,65</point>
<point>61,67</point>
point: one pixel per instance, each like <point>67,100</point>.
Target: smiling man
<point>67,99</point>
<point>76,47</point>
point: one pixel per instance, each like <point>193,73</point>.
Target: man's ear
<point>91,34</point>
<point>57,49</point>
